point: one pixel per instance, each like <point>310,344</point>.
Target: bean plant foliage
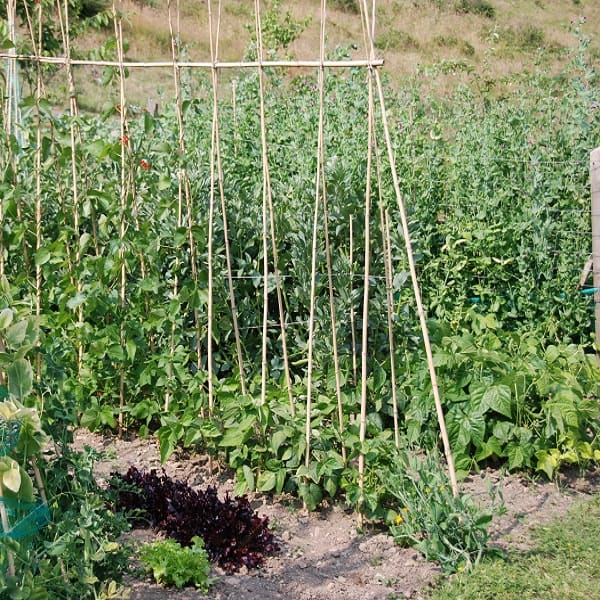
<point>496,190</point>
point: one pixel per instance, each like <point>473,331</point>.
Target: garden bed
<point>322,554</point>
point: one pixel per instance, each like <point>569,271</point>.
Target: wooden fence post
<point>595,185</point>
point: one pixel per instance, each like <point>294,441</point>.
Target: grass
<point>562,566</point>
<point>500,37</point>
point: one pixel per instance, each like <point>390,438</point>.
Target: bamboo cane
<point>263,137</point>
<point>281,64</point>
<point>122,203</point>
<point>180,192</point>
<point>365,313</point>
<point>352,319</point>
<point>415,283</point>
<point>387,248</point>
<point>65,31</point>
<point>217,148</point>
<point>321,161</point>
<point>211,217</point>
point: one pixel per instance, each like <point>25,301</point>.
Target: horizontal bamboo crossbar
<point>61,60</point>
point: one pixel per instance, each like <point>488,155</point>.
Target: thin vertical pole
<point>123,205</point>
<point>216,143</point>
<point>263,136</point>
<point>352,319</point>
<point>321,161</point>
<point>595,185</point>
<point>387,248</point>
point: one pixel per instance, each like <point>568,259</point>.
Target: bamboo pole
<point>263,137</point>
<point>595,189</point>
<point>122,204</point>
<point>282,64</point>
<point>180,191</point>
<point>313,284</point>
<point>217,149</point>
<point>417,292</point>
<point>38,189</point>
<point>321,169</point>
<point>387,249</point>
<point>352,319</point>
<point>211,217</point>
<point>12,99</point>
<point>367,261</point>
<point>365,313</point>
<point>384,223</point>
<point>235,120</point>
<point>65,30</point>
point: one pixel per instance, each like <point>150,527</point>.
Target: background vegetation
<point>491,134</point>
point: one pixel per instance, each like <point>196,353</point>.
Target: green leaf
<point>26,493</point>
<point>6,317</point>
<point>249,477</point>
<point>76,301</point>
<point>516,456</point>
<point>16,333</point>
<point>10,474</point>
<point>311,494</point>
<point>491,447</point>
<point>131,347</point>
<point>499,398</point>
<point>99,148</point>
<point>266,481</point>
<point>20,378</point>
<point>278,438</point>
<point>237,434</point>
<point>548,461</point>
<point>42,256</point>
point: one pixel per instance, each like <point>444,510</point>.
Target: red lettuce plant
<point>234,535</point>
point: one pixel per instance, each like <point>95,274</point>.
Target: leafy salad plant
<point>171,564</point>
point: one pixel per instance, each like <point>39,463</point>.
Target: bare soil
<point>323,556</point>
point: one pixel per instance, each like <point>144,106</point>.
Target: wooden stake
<point>65,30</point>
<point>323,184</point>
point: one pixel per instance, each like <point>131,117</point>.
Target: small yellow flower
<point>406,510</point>
<point>442,488</point>
<point>399,520</point>
<point>460,569</point>
<point>427,490</point>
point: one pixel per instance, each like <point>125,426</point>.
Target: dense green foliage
<point>496,191</point>
<point>62,537</point>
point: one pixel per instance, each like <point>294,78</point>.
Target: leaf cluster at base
<point>234,534</point>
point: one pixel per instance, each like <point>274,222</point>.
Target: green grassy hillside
<point>446,41</point>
